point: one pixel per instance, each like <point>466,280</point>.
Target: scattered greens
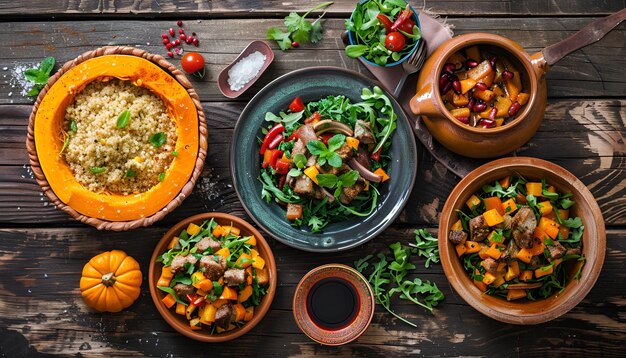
<point>130,173</point>
<point>427,246</point>
<point>325,153</point>
<point>97,170</point>
<point>158,139</point>
<point>299,29</point>
<point>122,119</point>
<point>39,76</point>
<point>388,276</point>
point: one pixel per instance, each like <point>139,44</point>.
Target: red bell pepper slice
<point>276,141</point>
<point>281,182</point>
<point>404,15</point>
<point>293,136</point>
<point>195,300</point>
<point>271,134</point>
<point>376,154</point>
<point>385,21</point>
<point>316,116</point>
<point>282,167</point>
<point>326,137</point>
<point>275,155</point>
<point>296,105</point>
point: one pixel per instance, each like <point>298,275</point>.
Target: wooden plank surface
<point>251,8</point>
<point>42,307</point>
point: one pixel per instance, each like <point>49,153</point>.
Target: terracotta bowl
<point>594,241</point>
<point>180,323</point>
<point>476,142</point>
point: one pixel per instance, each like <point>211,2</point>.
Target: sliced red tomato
<point>385,21</point>
<point>296,105</point>
<point>404,15</point>
<point>407,26</point>
<point>395,41</point>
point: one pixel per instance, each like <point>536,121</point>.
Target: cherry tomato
<point>296,105</point>
<point>407,26</point>
<point>384,20</point>
<point>193,63</point>
<point>395,41</point>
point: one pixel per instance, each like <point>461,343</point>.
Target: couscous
<point>120,137</point>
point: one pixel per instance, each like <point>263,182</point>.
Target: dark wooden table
<point>42,250</point>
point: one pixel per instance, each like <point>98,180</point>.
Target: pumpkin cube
<point>483,69</point>
<point>502,105</point>
<point>485,95</point>
<point>522,98</point>
<point>460,100</point>
<point>460,112</point>
<point>467,85</point>
<point>513,86</point>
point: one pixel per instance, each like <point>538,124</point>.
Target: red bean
<point>449,68</point>
<point>492,60</point>
<point>471,63</point>
<point>492,114</point>
<point>172,33</point>
<point>183,37</point>
<point>446,88</point>
<point>456,84</point>
<point>445,78</point>
<point>189,39</point>
<point>479,107</point>
<point>481,86</point>
<point>196,42</point>
<point>515,107</point>
<point>170,54</point>
<point>176,42</point>
<point>179,23</point>
<point>463,120</point>
<point>471,103</point>
<point>507,75</point>
<point>166,41</point>
<point>487,123</point>
<point>181,31</point>
<point>169,45</point>
<point>164,36</point>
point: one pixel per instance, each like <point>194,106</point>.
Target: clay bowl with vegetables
<point>212,277</point>
<point>522,240</point>
<point>323,159</point>
<point>104,100</point>
<point>383,33</point>
<point>482,96</point>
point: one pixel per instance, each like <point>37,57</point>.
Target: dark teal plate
<point>312,84</point>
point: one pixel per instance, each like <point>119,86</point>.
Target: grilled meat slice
<point>457,236</point>
<point>363,132</point>
<point>307,133</point>
<point>224,315</point>
<point>490,265</point>
<point>345,152</point>
<point>349,193</point>
<point>511,251</point>
<point>298,148</point>
<point>556,250</point>
<point>478,228</point>
<point>233,277</point>
<point>506,224</point>
<point>181,289</point>
<point>178,263</point>
<point>207,243</point>
<point>213,266</point>
<point>523,226</point>
<point>303,185</point>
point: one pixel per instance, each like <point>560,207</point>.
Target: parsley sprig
<point>388,276</point>
<point>299,29</point>
<point>39,76</point>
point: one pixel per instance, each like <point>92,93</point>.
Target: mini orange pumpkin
<point>110,281</point>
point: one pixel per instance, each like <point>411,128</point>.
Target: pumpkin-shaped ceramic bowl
<point>180,322</point>
<point>45,143</point>
<point>523,311</point>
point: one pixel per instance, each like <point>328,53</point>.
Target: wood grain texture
<point>42,305</point>
<point>596,68</point>
<point>251,8</point>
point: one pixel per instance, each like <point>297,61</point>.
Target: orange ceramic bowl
<point>593,241</point>
<point>180,323</point>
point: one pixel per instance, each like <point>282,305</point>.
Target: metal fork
<point>413,64</point>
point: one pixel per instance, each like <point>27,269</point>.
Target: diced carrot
<point>258,263</point>
<point>353,142</point>
<point>166,276</point>
<point>218,231</point>
<point>493,217</point>
<point>208,315</point>
<point>240,312</point>
<point>457,225</point>
<point>472,201</point>
<point>534,189</point>
<point>244,294</point>
<point>494,252</point>
<point>526,275</point>
<point>515,294</point>
<point>545,207</point>
<point>550,227</point>
<point>522,98</point>
<point>509,206</point>
<point>494,203</point>
<point>294,211</point>
<point>251,241</point>
<point>488,278</point>
<point>460,249</point>
<point>472,246</point>
<point>467,85</point>
<point>205,285</point>
<point>229,293</point>
<point>524,255</point>
<point>173,242</point>
<point>193,229</point>
<point>249,314</point>
<point>544,271</point>
<point>485,95</point>
<point>262,276</point>
<point>180,309</point>
<point>169,300</point>
<point>244,260</point>
<point>224,252</point>
<point>460,100</point>
<point>382,173</point>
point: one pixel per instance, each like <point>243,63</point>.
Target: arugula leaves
<point>39,76</point>
<point>332,181</point>
<point>299,29</point>
<point>288,120</point>
<point>327,154</point>
<point>388,276</point>
<point>427,246</point>
<point>158,139</point>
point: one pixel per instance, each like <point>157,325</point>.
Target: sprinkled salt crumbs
<point>245,70</point>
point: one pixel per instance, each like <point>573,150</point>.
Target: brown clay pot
<point>493,142</point>
<point>593,240</point>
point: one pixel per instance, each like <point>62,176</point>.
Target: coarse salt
<point>245,70</point>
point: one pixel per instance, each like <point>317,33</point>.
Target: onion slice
<point>364,172</point>
<point>524,286</point>
<point>328,125</point>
